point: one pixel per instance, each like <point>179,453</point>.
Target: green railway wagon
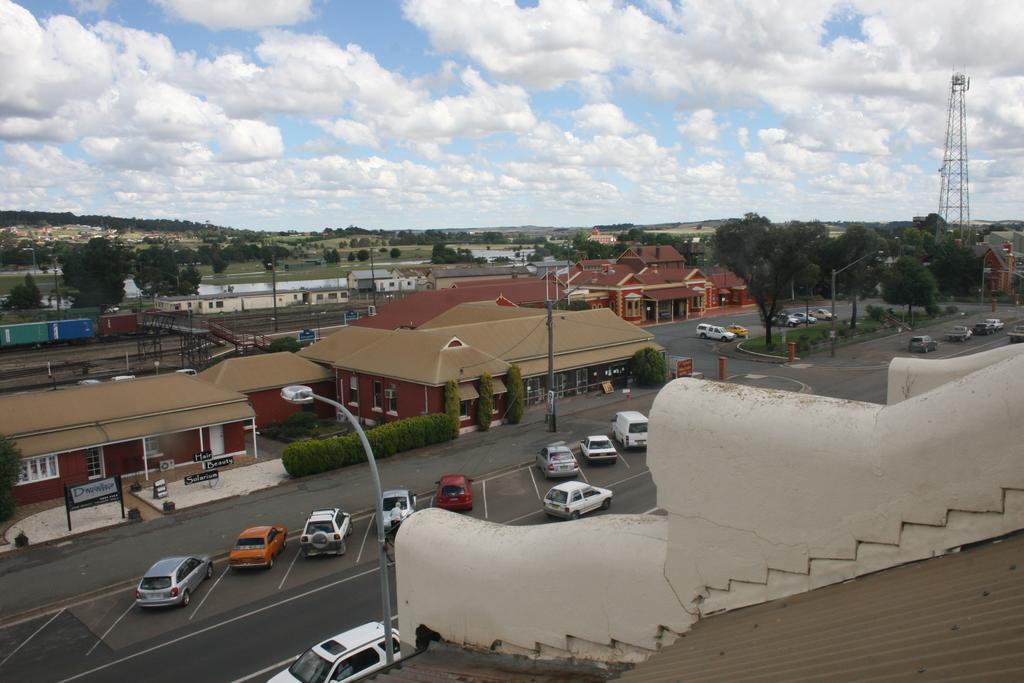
<point>25,333</point>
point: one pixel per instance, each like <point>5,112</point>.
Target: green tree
<point>395,252</point>
<point>363,255</point>
<point>284,344</point>
<point>909,283</point>
<point>485,404</point>
<point>25,296</point>
<point>10,472</point>
<point>864,248</point>
<point>768,258</point>
<point>97,272</point>
<point>351,256</point>
<point>159,273</point>
<point>955,267</point>
<point>452,406</point>
<point>649,367</point>
<point>332,256</point>
<point>514,395</point>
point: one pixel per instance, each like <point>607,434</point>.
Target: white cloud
<point>700,126</point>
<point>217,15</point>
<point>603,118</point>
<point>351,132</point>
<point>248,140</point>
<point>91,6</point>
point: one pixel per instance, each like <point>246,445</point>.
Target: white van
<point>630,429</point>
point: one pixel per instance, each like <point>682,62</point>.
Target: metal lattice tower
<point>954,194</point>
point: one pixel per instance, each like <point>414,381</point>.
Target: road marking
<point>107,632</point>
<point>24,642</point>
<point>619,455</point>
<point>530,470</point>
<point>623,481</point>
<point>365,535</point>
<point>209,592</point>
<point>211,627</point>
<point>265,670</point>
<point>298,551</point>
<point>528,514</point>
<point>583,475</point>
<point>652,511</point>
<point>485,499</point>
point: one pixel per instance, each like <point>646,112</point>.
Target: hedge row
<point>314,456</point>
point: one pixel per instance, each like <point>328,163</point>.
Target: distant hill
<point>11,218</point>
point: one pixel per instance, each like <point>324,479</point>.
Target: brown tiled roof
<point>265,371</point>
<point>723,278</point>
<point>955,617</point>
<point>612,277</point>
<point>656,254</point>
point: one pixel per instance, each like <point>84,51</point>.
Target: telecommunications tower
<point>954,194</point>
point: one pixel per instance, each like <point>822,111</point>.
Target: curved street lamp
<point>834,273</point>
<point>301,394</point>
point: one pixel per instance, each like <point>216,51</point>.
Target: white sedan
<point>598,449</point>
<point>574,498</point>
<point>823,314</point>
<point>996,323</point>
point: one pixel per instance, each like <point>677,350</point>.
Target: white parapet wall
<point>909,377</point>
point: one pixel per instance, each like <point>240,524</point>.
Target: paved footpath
<point>41,576</point>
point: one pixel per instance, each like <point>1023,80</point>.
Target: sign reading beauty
<point>219,462</point>
<point>93,493</point>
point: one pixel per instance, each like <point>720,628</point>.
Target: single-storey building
<point>381,279</point>
<point>440,278</point>
<point>260,378</point>
<point>727,289</point>
<point>235,302</point>
<point>74,435</point>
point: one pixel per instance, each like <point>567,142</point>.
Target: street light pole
<point>303,394</point>
<point>835,272</point>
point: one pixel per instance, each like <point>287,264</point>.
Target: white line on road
<point>107,632</point>
<point>583,475</point>
<point>254,674</point>
<point>623,481</point>
<point>24,642</point>
<point>298,551</point>
<point>624,462</point>
<point>209,592</point>
<point>652,511</point>
<point>528,514</point>
<point>530,470</point>
<point>365,535</point>
<point>485,499</point>
<point>211,627</point>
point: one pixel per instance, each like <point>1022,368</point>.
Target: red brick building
<point>726,289</point>
<point>261,377</point>
<point>89,432</point>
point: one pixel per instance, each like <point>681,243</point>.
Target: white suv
<point>348,656</point>
<point>325,532</point>
<point>705,331</point>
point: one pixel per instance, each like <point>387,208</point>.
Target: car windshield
<point>249,543</point>
<point>557,496</point>
<point>154,583</point>
<point>452,490</point>
<point>310,668</point>
<point>313,527</point>
<point>393,501</point>
<point>638,428</point>
<point>561,457</point>
<point>600,444</point>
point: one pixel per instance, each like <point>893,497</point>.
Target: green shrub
<point>514,380</point>
<point>649,367</point>
<point>951,310</point>
<point>485,404</point>
<point>303,458</point>
<point>452,406</point>
<point>876,313</point>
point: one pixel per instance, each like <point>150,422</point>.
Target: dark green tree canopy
<point>910,283</point>
<point>158,273</point>
<point>284,344</point>
<point>10,472</point>
<point>649,367</point>
<point>97,272</point>
<point>24,297</point>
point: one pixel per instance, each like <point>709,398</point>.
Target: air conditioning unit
<point>389,393</point>
<point>166,465</point>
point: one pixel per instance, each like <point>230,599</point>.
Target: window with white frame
<point>464,409</point>
<point>151,444</point>
<point>94,463</point>
<point>377,386</point>
<point>38,469</point>
<point>392,398</point>
<point>353,390</point>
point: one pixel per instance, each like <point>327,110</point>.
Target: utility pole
<point>552,427</point>
<point>373,278</point>
<point>273,277</point>
<point>56,282</point>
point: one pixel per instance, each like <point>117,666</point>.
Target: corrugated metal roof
<point>582,359</point>
<point>265,371</point>
<point>956,617</point>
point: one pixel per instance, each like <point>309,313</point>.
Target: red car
<point>454,492</point>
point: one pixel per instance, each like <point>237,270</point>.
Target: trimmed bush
<point>514,380</point>
<point>876,313</point>
<point>452,407</point>
<point>303,458</point>
<point>485,404</point>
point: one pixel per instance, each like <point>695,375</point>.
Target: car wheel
<point>284,545</point>
<point>209,571</point>
<point>606,504</point>
<point>185,598</point>
<point>703,336</point>
<point>348,532</point>
<point>575,515</point>
<point>270,562</point>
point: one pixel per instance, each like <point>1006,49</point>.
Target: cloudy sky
<point>304,114</point>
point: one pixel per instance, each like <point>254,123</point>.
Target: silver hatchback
<point>557,460</point>
<point>172,580</point>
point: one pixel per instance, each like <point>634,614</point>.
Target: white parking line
<point>24,642</point>
<point>211,627</point>
<point>623,481</point>
<point>265,670</point>
<point>209,592</point>
<point>107,632</point>
<point>528,514</point>
<point>298,551</point>
<point>624,461</point>
<point>365,535</point>
<point>583,475</point>
<point>485,499</point>
<point>530,470</point>
<point>652,511</point>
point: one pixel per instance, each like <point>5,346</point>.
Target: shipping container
<point>25,333</point>
<point>70,330</point>
<point>113,324</point>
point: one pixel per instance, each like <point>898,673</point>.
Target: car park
<point>348,656</point>
<point>397,504</point>
<point>804,319</point>
<point>738,330</point>
<point>787,320</point>
<point>922,343</point>
<point>595,449</point>
<point>823,314</point>
<point>958,333</point>
<point>983,327</point>
<point>706,331</point>
<point>454,492</point>
<point>629,428</point>
<point>258,546</point>
<point>557,460</point>
<point>172,580</point>
<point>325,532</point>
<point>996,323</point>
<point>571,499</point>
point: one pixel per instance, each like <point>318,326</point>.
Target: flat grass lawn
<point>816,335</point>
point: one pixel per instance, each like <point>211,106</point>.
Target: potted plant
<point>135,487</point>
<point>134,515</point>
<point>21,540</point>
<point>168,506</point>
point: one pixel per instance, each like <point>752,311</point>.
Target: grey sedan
<point>557,460</point>
<point>172,580</point>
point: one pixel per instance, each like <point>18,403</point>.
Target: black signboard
<point>92,493</point>
<point>201,456</point>
<point>220,462</point>
<point>202,476</point>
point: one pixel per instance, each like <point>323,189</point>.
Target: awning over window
<point>467,392</point>
<point>499,386</point>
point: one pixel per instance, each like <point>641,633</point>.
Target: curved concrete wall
<point>909,377</point>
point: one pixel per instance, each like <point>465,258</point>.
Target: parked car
<point>348,656</point>
<point>258,546</point>
<point>325,532</point>
<point>823,314</point>
<point>787,320</point>
<point>598,449</point>
<point>983,327</point>
<point>398,504</point>
<point>1017,334</point>
<point>922,343</point>
<point>804,319</point>
<point>996,323</point>
<point>556,460</point>
<point>172,580</point>
<point>454,492</point>
<point>738,330</point>
<point>958,333</point>
<point>706,331</point>
<point>574,498</point>
<point>629,428</point>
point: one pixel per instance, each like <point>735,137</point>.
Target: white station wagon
<point>574,498</point>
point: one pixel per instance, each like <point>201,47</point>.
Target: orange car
<point>257,547</point>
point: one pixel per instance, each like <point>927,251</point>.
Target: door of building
<point>217,439</point>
